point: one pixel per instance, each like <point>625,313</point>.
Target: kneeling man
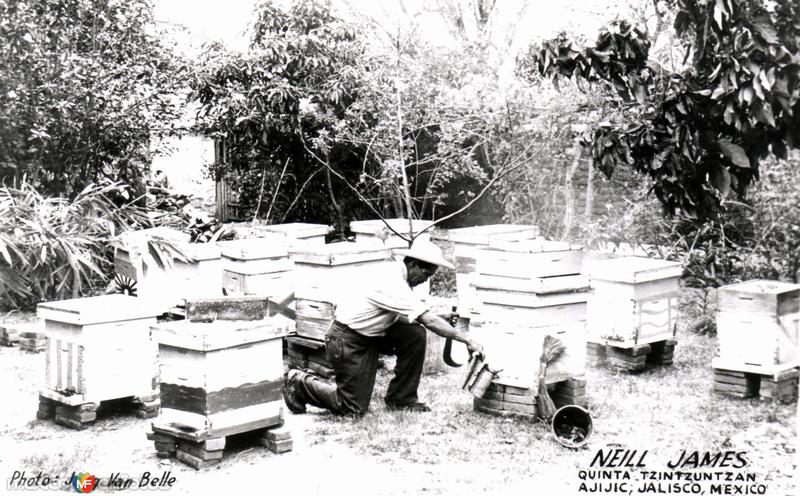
<point>381,315</point>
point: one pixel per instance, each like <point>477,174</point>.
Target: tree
<point>85,85</point>
<point>700,133</point>
<point>297,80</point>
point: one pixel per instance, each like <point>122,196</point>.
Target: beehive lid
<point>297,230</point>
<point>536,285</point>
<point>339,254</point>
<point>480,235</point>
<point>161,232</point>
<point>201,251</point>
<point>98,309</point>
<point>220,334</point>
<point>378,226</point>
<point>140,236</point>
<point>532,246</point>
<point>255,248</point>
<point>634,270</point>
<point>760,296</point>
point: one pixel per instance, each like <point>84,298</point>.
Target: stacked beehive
<point>321,274</point>
<point>466,243</point>
<point>98,349</point>
<point>632,312</point>
<point>527,290</point>
<point>183,269</point>
<point>258,266</point>
<point>219,377</point>
<point>757,332</point>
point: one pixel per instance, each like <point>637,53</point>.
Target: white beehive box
<point>514,317</point>
<point>99,349</point>
<point>199,276</point>
<point>634,301</point>
<point>258,266</point>
<point>757,326</point>
<point>466,243</point>
<point>466,240</point>
<point>220,378</point>
<point>520,260</point>
<point>298,233</point>
<point>322,273</point>
<point>529,258</point>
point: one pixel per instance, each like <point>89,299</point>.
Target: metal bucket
<point>572,426</point>
<point>478,376</point>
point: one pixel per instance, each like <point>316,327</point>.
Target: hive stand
<point>506,400</point>
<point>79,416</point>
<point>29,336</point>
<point>632,359</point>
<point>202,452</point>
<point>781,387</point>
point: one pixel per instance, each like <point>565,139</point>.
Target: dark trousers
<point>354,359</point>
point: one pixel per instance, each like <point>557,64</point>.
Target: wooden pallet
<point>201,452</point>
<point>631,359</point>
<point>781,387</point>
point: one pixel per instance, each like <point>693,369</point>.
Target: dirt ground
<point>453,450</point>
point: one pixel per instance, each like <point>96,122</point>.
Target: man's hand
<point>474,347</point>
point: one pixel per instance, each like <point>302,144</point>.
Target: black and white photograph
<point>400,247</point>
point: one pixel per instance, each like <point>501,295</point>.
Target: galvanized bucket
<point>572,426</point>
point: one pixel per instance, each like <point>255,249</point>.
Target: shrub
<point>53,248</point>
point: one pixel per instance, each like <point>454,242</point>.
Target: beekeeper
<point>380,314</point>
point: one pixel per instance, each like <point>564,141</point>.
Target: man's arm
<point>439,326</point>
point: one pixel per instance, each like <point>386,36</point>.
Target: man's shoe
<point>410,407</point>
<point>291,395</point>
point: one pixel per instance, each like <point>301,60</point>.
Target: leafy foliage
<point>393,129</point>
<point>85,86</point>
<point>298,77</point>
<point>699,133</point>
<point>53,248</point>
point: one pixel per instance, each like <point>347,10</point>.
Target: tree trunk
<point>569,200</point>
<point>340,220</point>
<point>589,192</point>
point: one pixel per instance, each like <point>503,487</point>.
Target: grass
<point>450,450</point>
<point>664,410</point>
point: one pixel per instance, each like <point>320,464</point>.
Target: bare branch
<point>275,195</point>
